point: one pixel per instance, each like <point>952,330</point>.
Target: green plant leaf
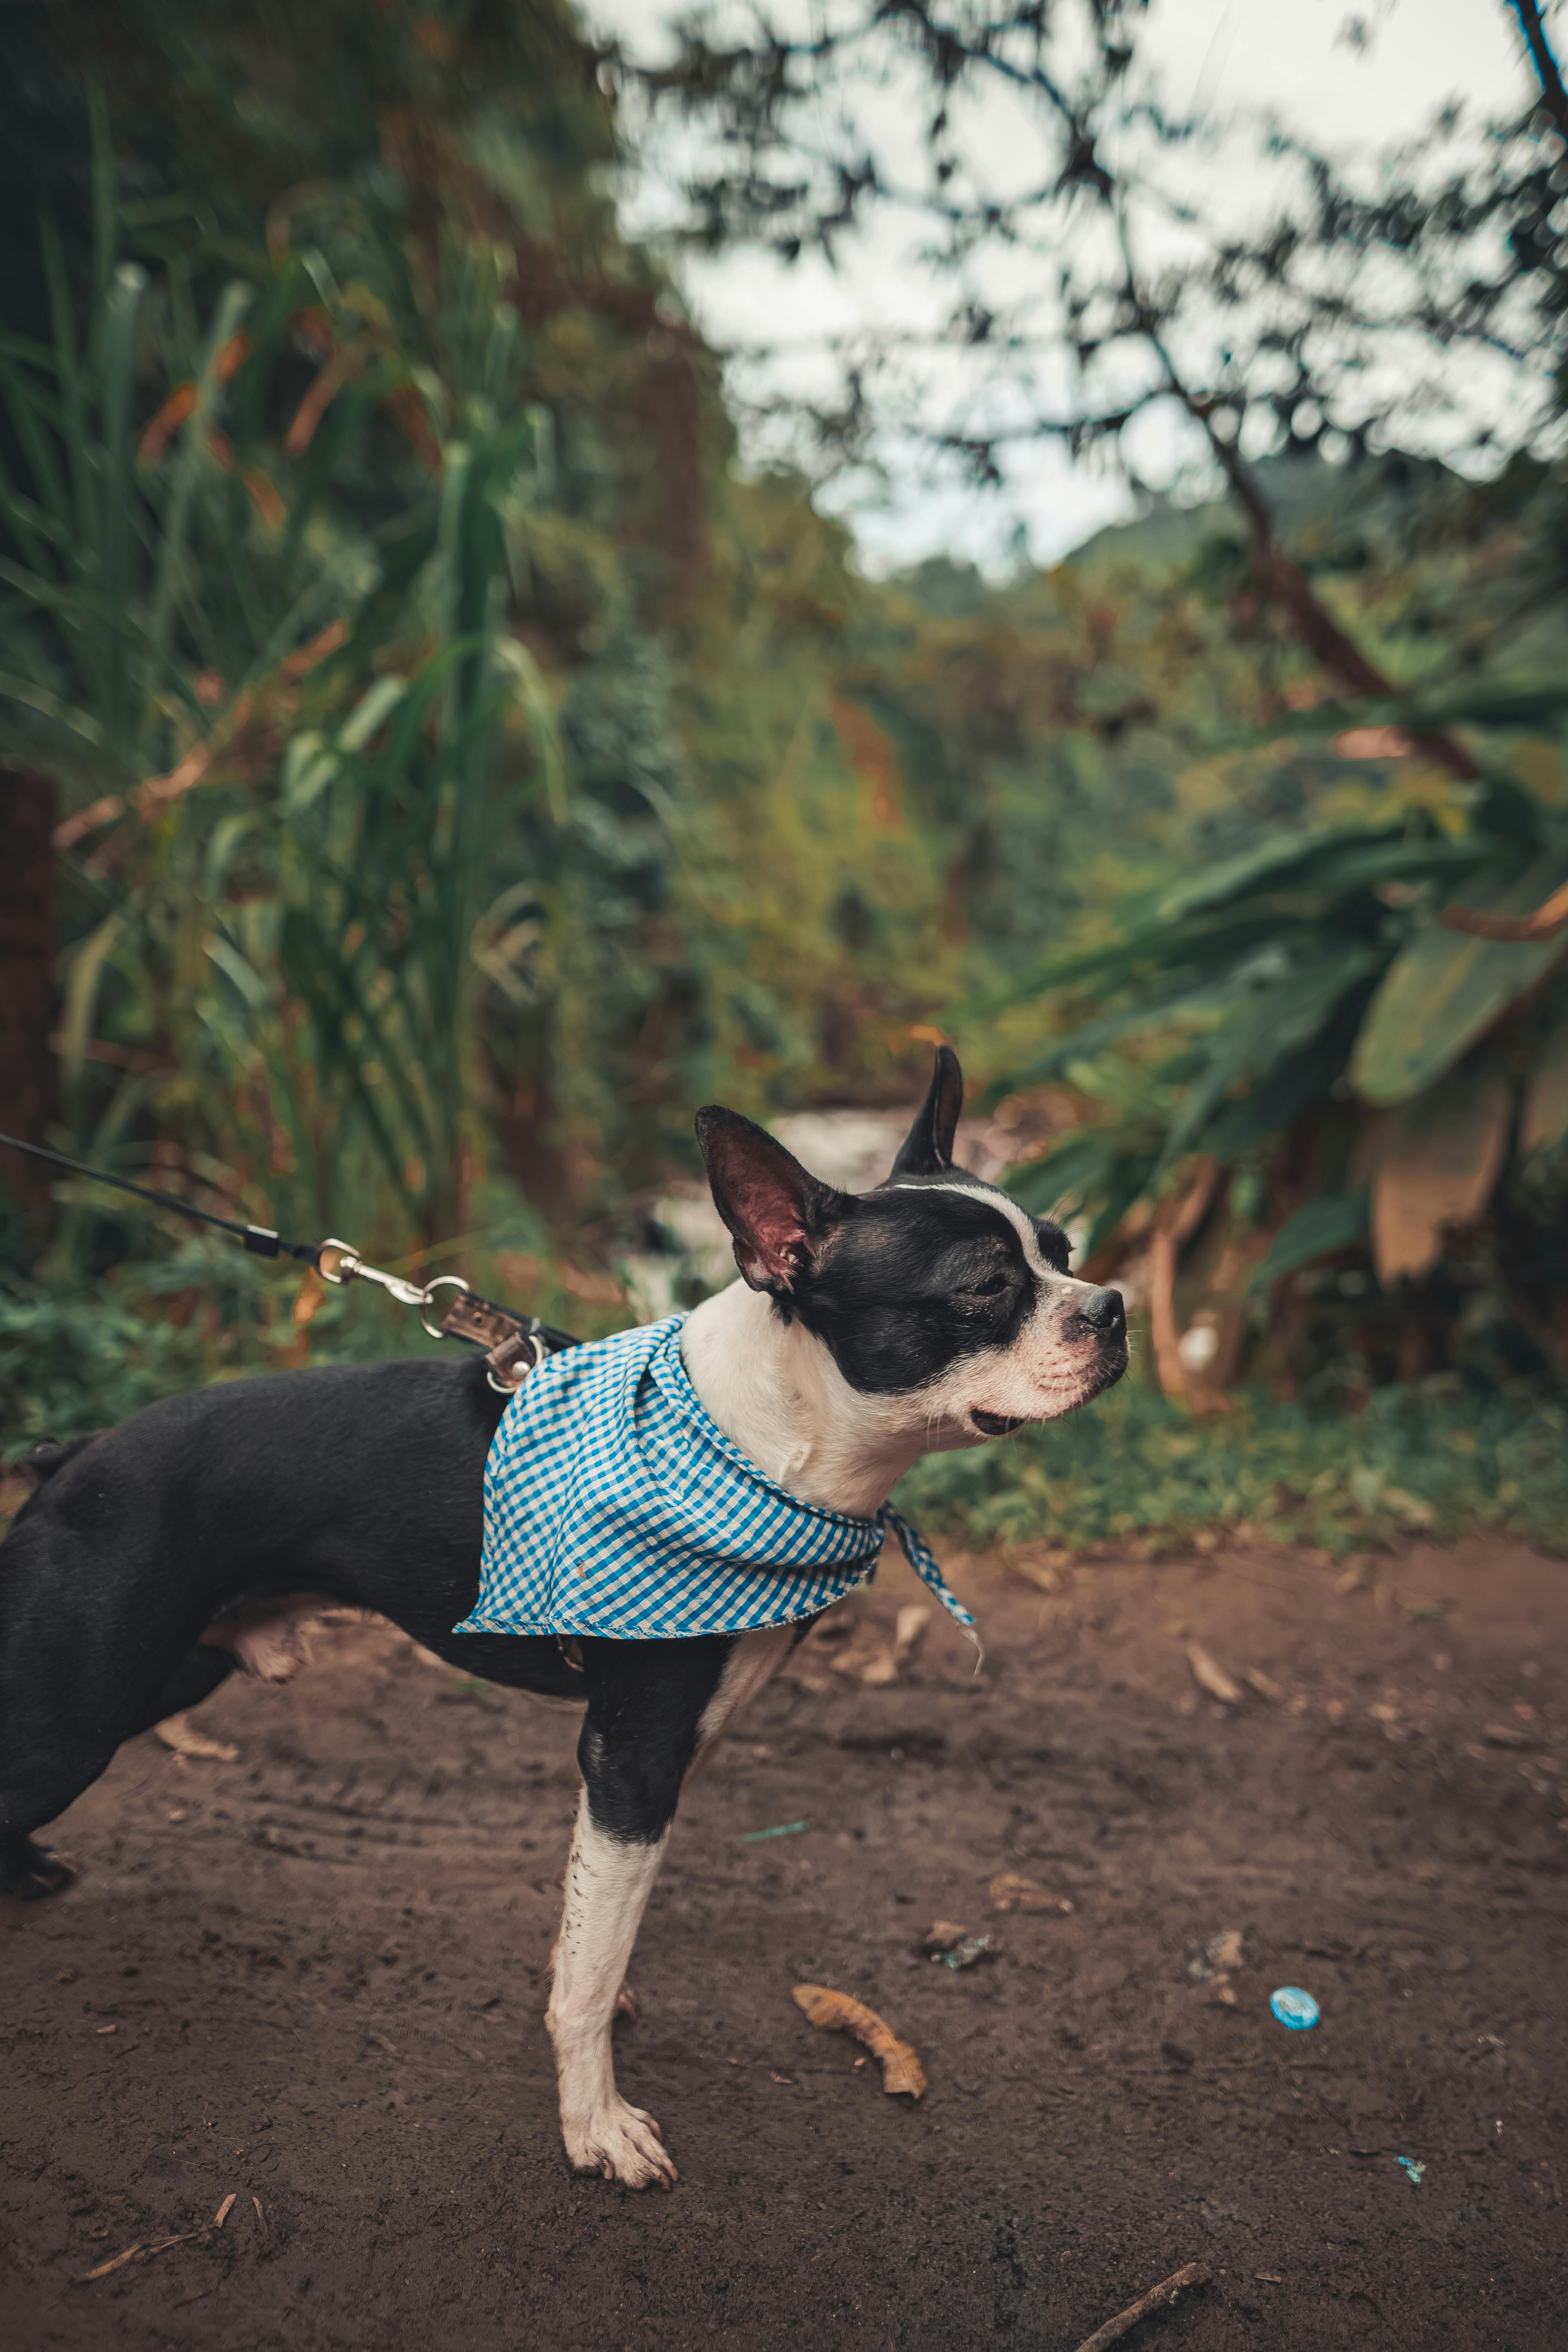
<point>1333,1222</point>
<point>82,989</point>
<point>1169,945</point>
<point>1077,1166</point>
<point>1290,861</point>
<point>1273,1022</point>
<point>1446,989</point>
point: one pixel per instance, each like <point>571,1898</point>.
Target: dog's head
<point>937,1286</point>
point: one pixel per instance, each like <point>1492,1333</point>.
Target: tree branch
<point>1316,627</point>
<point>1279,576</point>
<point>1553,97</point>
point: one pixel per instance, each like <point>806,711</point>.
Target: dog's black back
<point>362,1483</point>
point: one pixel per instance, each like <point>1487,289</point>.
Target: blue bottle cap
<point>1294,2008</point>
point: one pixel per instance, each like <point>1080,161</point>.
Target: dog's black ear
<point>778,1213</point>
<point>926,1149</point>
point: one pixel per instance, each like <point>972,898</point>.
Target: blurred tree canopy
<point>1295,1074</point>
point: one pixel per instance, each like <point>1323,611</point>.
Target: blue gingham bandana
<point>615,1506</point>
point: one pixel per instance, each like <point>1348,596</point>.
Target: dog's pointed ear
<point>778,1213</point>
<point>926,1149</point>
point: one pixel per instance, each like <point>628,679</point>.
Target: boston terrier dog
<point>200,1536</point>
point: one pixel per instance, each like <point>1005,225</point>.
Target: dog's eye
<point>992,1286</point>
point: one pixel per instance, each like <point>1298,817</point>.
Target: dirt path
<point>324,1969</point>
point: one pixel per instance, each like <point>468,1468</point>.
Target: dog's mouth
<point>1105,1376</point>
<point>996,1425</point>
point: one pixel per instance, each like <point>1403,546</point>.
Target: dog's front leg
<point>646,1701</point>
<point>608,1882</point>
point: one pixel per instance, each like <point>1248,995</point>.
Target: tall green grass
<point>293,743</point>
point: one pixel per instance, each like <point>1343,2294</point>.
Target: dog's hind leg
<point>752,1662</point>
<point>195,1677</point>
<point>88,1659</point>
<point>36,1787</point>
<point>28,1871</point>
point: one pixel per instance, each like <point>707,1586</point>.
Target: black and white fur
<point>157,1556</point>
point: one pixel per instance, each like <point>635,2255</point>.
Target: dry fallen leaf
<point>837,2013</point>
<point>943,1934</point>
<point>224,2211</point>
<point>1045,1578</point>
<point>1012,1892</point>
<point>1212,1677</point>
<point>179,1733</point>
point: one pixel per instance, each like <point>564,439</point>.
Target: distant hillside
<point>1308,494</point>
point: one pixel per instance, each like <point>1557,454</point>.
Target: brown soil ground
<point>323,1966</point>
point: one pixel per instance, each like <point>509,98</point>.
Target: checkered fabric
<point>615,1506</point>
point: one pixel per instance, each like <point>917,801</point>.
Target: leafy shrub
<point>1427,1455</point>
<point>76,1357</point>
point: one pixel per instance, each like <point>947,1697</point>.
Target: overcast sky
<point>1232,60</point>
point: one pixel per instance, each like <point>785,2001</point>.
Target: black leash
<point>513,1343</point>
<point>260,1239</point>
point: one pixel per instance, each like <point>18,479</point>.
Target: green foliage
<point>467,771</point>
<point>1260,990</point>
<point>78,1358</point>
<point>338,867</point>
<point>1446,990</point>
<point>1428,1455</point>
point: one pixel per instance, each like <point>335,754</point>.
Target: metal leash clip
<point>513,1348</point>
<point>349,1266</point>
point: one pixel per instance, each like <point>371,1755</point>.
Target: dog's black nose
<point>1103,1313</point>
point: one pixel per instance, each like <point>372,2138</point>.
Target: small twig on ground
<point>145,2249</point>
<point>1157,2299</point>
<point>1212,1676</point>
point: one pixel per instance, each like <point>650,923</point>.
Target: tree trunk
<point>27,1068</point>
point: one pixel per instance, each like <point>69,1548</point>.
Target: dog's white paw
<point>623,2143</point>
